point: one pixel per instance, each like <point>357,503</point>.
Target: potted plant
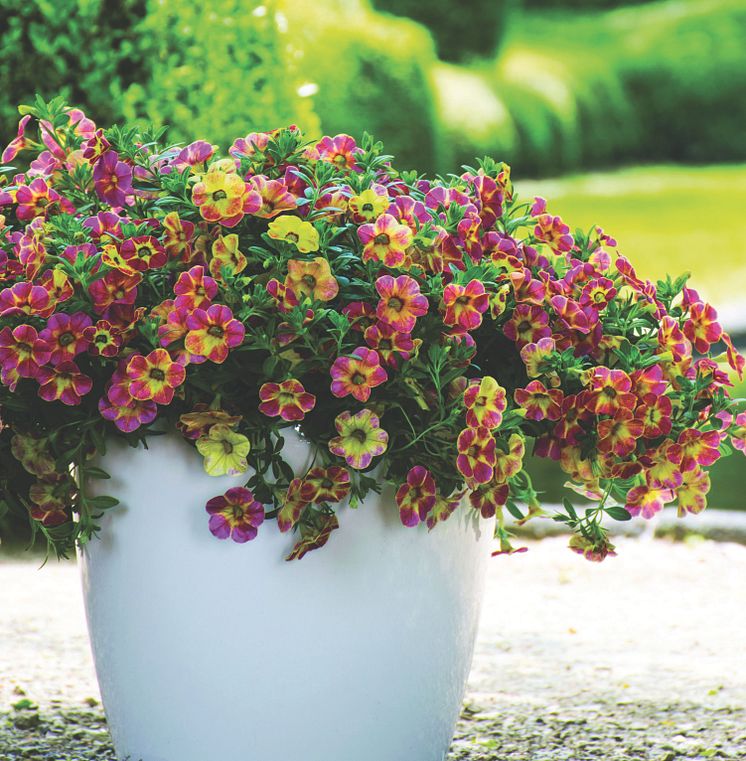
<point>264,347</point>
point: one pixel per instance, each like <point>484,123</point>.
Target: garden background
<point>625,113</point>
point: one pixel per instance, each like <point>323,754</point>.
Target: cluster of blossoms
<point>430,330</point>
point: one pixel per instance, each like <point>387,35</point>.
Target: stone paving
<point>642,657</point>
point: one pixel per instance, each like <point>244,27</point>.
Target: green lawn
<point>665,219</point>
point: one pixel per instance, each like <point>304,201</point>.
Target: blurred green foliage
<point>654,82</point>
<point>461,29</point>
<point>373,73</point>
<point>90,52</point>
<point>214,70</point>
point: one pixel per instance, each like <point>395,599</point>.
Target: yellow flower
<point>368,205</point>
<point>224,451</point>
<point>313,279</point>
<point>303,235</point>
<point>225,253</point>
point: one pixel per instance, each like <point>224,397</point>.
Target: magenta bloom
<point>18,143</point>
<point>235,514</point>
<point>476,455</point>
<point>129,416</point>
<point>113,179</point>
<point>64,383</point>
<point>23,350</point>
<point>416,497</point>
<point>401,302</point>
<point>647,500</point>
<point>65,335</point>
<point>357,375</point>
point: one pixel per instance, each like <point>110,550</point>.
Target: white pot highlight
<point>207,650</point>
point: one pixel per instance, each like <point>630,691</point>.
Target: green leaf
<point>618,513</point>
<point>102,502</point>
<point>570,509</point>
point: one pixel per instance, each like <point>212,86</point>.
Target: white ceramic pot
<point>207,650</point>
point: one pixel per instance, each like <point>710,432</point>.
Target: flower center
<point>463,300</point>
<point>157,374</point>
<point>326,483</point>
<point>219,195</point>
<point>309,280</point>
<point>66,339</point>
<point>395,303</point>
<point>292,237</point>
<point>216,331</point>
<point>143,252</point>
<point>358,379</point>
<point>340,160</point>
<point>227,448</point>
<point>238,512</point>
<point>359,434</point>
<point>367,207</point>
<point>524,326</point>
<point>609,392</point>
<point>385,344</point>
<point>382,239</point>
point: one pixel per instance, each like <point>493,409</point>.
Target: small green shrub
<point>373,73</point>
<point>90,52</point>
<point>219,69</point>
<point>461,29</point>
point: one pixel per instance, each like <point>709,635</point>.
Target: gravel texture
<point>642,657</point>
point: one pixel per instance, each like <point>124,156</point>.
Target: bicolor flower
<point>554,232</point>
<point>476,455</point>
<point>738,432</point>
<point>698,448</point>
<point>655,415</point>
<point>177,237</point>
<point>489,498</point>
<point>224,451</point>
<point>528,324</point>
<point>508,463</point>
<point>647,501</point>
<point>330,484</point>
<point>35,200</point>
<point>143,253</point>
<point>226,257</point>
<point>194,289</point>
<point>416,496</point>
<point>340,150</point>
<point>535,356</point>
<point>213,332</point>
<point>112,179</point>
<point>224,197</point>
<point>385,241</point>
<point>155,376</point>
<point>292,506</point>
<point>33,454</point>
<point>313,279</point>
<point>691,496</point>
<point>368,205</point>
<point>597,293</point>
<point>288,400</point>
<point>702,328</point>
<point>485,401</point>
<point>193,425</point>
<point>357,374</point>
<point>360,438</point>
<point>64,383</point>
<point>649,381</point>
<point>401,302</point>
<point>596,550</point>
<point>618,435</point>
<point>114,288</point>
<point>539,402</point>
<point>103,338</point>
<point>274,196</point>
<point>235,514</point>
<point>23,350</point>
<point>18,143</point>
<point>24,298</point>
<point>671,338</point>
<point>129,415</point>
<point>303,235</point>
<point>610,391</point>
<point>663,465</point>
<point>65,335</point>
<point>465,305</point>
<point>49,499</point>
<point>391,345</point>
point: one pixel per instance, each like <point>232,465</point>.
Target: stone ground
<point>642,657</point>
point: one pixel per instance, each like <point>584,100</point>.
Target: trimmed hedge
<point>461,29</point>
<point>373,73</point>
<point>89,52</point>
<point>217,69</point>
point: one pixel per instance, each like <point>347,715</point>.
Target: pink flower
<point>416,497</point>
<point>357,375</point>
<point>112,179</point>
<point>235,514</point>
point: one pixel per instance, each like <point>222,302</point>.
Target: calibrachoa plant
<point>421,333</point>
